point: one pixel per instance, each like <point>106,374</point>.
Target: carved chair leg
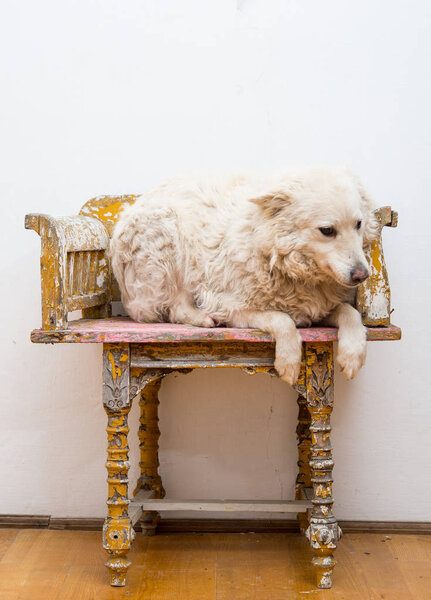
<point>303,479</point>
<point>323,531</point>
<point>118,533</point>
<point>149,434</point>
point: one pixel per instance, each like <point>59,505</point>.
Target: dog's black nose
<point>359,274</point>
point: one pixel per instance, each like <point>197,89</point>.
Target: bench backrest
<point>107,209</point>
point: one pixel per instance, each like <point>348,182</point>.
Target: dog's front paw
<point>288,361</point>
<point>351,356</point>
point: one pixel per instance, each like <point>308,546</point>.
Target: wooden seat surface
<point>124,330</point>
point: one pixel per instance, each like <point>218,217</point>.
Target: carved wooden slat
<point>86,301</point>
<point>87,287</point>
<point>118,533</point>
<point>82,278</point>
<point>323,531</point>
<point>70,271</point>
<point>101,280</point>
<point>64,276</point>
<point>92,271</point>
<point>77,274</point>
<point>86,273</point>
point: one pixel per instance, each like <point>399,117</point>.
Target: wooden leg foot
<point>117,567</point>
<point>323,539</point>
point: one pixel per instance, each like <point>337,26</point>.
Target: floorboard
<point>69,565</point>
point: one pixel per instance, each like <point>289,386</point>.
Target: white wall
<point>111,97</point>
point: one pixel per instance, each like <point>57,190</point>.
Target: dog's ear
<point>272,203</point>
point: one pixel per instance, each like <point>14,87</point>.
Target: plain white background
<point>105,97</point>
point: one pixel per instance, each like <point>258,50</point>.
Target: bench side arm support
<point>74,266</point>
<point>373,299</point>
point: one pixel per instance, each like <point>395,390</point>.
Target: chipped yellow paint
<point>76,270</point>
<point>118,533</point>
<point>107,208</point>
<point>70,247</point>
<point>116,371</point>
<point>322,531</point>
<point>375,256</point>
<point>373,299</point>
<point>149,434</point>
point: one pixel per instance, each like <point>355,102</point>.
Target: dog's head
<point>317,224</point>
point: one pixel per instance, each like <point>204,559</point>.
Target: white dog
<point>269,253</point>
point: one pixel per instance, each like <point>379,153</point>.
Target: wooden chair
<point>76,275</point>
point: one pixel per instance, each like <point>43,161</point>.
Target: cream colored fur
<point>247,251</point>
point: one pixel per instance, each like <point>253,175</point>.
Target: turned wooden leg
<point>323,531</point>
<point>118,533</point>
<point>149,434</point>
<point>303,479</point>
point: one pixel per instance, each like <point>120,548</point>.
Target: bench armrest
<point>373,299</point>
<point>74,267</point>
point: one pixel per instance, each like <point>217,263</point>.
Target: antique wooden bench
<point>76,275</point>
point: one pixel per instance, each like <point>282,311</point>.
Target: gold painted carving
<point>118,533</point>
<point>323,531</point>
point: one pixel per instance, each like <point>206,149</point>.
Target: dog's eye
<point>358,225</point>
<point>327,231</point>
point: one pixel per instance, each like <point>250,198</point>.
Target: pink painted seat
<point>123,330</point>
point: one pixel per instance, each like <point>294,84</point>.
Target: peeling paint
<point>373,299</point>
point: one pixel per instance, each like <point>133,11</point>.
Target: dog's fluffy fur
<point>249,252</point>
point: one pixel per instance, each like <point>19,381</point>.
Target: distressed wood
<point>373,299</point>
<point>203,354</point>
<point>52,271</point>
<point>118,532</point>
<point>116,376</point>
<point>271,506</point>
<point>303,479</point>
<point>107,209</point>
<point>76,275</point>
<point>90,231</point>
<point>86,301</point>
<point>75,270</point>
<point>149,434</point>
<point>124,330</point>
<point>148,383</point>
<point>135,505</point>
<point>323,531</point>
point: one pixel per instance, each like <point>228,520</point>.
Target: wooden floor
<point>63,565</point>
